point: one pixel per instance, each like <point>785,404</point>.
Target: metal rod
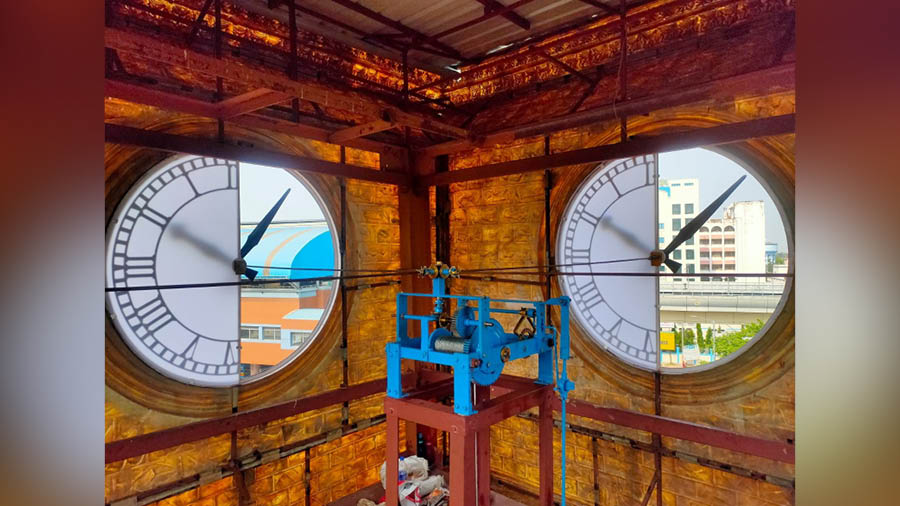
<point>623,71</point>
<point>345,364</point>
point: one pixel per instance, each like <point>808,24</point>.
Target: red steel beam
<point>160,440</point>
<point>396,25</point>
<point>723,134</point>
<point>119,134</point>
<point>719,438</point>
<point>249,102</point>
<point>600,5</point>
<point>510,15</point>
<point>487,15</point>
<point>179,103</point>
<point>195,26</point>
<point>779,76</point>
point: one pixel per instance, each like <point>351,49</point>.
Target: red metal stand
<point>470,444</point>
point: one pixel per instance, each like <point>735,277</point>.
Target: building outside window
<point>676,208</point>
<point>676,254</point>
<point>689,208</point>
<point>298,338</point>
<point>249,332</point>
<point>271,333</point>
<point>689,254</point>
<point>676,224</point>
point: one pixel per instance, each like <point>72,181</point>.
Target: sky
<point>262,186</point>
<point>716,173</point>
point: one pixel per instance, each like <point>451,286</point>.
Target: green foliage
<point>731,342</point>
<point>704,345</point>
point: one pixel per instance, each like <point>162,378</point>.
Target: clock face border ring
<point>770,353</point>
<point>130,377</point>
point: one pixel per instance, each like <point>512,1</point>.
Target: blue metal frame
<point>487,340</point>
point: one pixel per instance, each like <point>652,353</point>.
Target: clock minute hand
<point>694,225</point>
<point>257,234</point>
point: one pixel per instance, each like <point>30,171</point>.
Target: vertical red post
<point>483,452</point>
<point>462,458</point>
<point>392,455</point>
<point>545,452</point>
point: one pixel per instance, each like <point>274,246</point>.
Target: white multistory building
<point>679,203</point>
<point>736,242</point>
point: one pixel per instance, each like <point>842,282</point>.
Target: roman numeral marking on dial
<point>587,295</point>
<point>155,217</point>
<point>590,218</point>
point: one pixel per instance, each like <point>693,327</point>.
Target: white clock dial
<point>179,225</point>
<point>612,217</point>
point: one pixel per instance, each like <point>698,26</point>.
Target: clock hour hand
<point>627,236</point>
<point>211,250</point>
<point>255,236</point>
<point>694,225</point>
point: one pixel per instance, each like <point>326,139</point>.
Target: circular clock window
<point>182,245</point>
<point>675,262</point>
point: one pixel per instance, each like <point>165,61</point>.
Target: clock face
<point>179,225</point>
<point>612,218</point>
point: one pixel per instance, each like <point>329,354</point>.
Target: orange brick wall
<point>498,223</point>
<point>337,468</point>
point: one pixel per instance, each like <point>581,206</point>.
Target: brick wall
<point>337,468</point>
<point>498,223</point>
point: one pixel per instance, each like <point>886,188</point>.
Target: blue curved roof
<point>287,246</point>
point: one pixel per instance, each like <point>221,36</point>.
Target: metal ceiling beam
<point>167,438</point>
<point>195,27</point>
<point>780,76</point>
<point>187,105</point>
<point>723,134</point>
<point>234,70</point>
<point>249,102</point>
<point>670,427</point>
<point>342,136</point>
<point>119,134</point>
<point>486,16</point>
<point>600,5</point>
<point>511,16</point>
<point>565,66</point>
<point>400,27</point>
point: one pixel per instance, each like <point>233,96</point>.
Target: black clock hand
<point>257,234</point>
<point>209,249</point>
<point>624,234</point>
<point>694,225</point>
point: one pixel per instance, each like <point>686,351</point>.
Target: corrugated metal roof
<point>434,17</point>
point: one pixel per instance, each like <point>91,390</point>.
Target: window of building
<point>676,208</point>
<point>299,337</point>
<point>690,242</point>
<point>676,254</point>
<point>729,228</point>
<point>690,268</point>
<point>662,240</point>
<point>689,254</point>
<point>689,209</point>
<point>249,332</point>
<point>676,224</point>
<point>717,228</point>
<point>271,333</point>
<point>661,226</point>
<point>689,184</point>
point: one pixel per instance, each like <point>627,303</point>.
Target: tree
<point>704,345</point>
<point>709,339</point>
<point>733,341</point>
